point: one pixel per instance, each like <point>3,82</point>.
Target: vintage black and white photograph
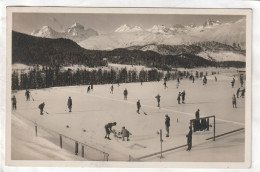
<point>129,85</point>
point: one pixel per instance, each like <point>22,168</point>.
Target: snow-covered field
<point>92,111</point>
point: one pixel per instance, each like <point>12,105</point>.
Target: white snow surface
<point>92,111</point>
<point>222,56</point>
<point>25,146</point>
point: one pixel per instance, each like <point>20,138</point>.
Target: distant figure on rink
<point>125,94</point>
<point>238,92</point>
<point>167,124</point>
<point>234,101</point>
<point>138,104</point>
<point>88,89</point>
<point>41,107</point>
<point>216,79</point>
<point>189,139</point>
<point>14,102</point>
<point>91,86</point>
<point>183,96</point>
<point>27,94</point>
<point>204,80</point>
<point>108,128</point>
<point>118,84</point>
<point>165,85</point>
<point>233,82</point>
<point>69,104</point>
<point>111,89</point>
<point>125,133</point>
<point>243,93</point>
<point>179,98</point>
<point>193,79</point>
<point>241,81</point>
<point>197,114</point>
<point>141,81</point>
<point>158,98</point>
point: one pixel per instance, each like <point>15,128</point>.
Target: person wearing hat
<point>69,104</point>
<point>189,139</point>
<point>41,106</point>
<point>125,133</point>
<point>167,124</point>
<point>108,128</point>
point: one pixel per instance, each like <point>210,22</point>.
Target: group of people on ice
<point>123,134</point>
<point>180,96</point>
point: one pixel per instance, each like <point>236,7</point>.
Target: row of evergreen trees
<point>50,77</point>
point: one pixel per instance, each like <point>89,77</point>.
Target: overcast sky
<point>107,23</point>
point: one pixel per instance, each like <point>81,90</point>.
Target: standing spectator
<point>189,139</point>
<point>238,92</point>
<point>183,96</point>
<point>14,102</point>
<point>243,93</point>
<point>197,114</point>
<point>234,101</point>
<point>125,94</point>
<point>167,124</point>
<point>69,104</point>
<point>179,98</point>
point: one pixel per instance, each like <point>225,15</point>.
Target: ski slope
<point>92,111</point>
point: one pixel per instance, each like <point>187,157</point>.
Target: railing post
<point>82,151</point>
<point>76,148</point>
<point>35,129</point>
<point>214,128</point>
<point>60,141</point>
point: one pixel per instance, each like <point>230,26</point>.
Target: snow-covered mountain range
<point>212,30</point>
<point>76,32</point>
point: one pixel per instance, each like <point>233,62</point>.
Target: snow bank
<point>24,140</point>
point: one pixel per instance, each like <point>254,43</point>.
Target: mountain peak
<point>77,25</point>
<point>211,22</point>
<point>127,28</point>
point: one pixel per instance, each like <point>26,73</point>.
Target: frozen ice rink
<point>92,111</point>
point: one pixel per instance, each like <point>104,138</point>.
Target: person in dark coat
<point>69,104</point>
<point>183,96</point>
<point>234,101</point>
<point>108,128</point>
<point>112,89</point>
<point>238,92</point>
<point>216,79</point>
<point>197,114</point>
<point>41,107</point>
<point>125,94</point>
<point>91,86</point>
<point>88,89</point>
<point>27,94</point>
<point>158,98</point>
<point>167,124</point>
<point>138,104</point>
<point>193,79</point>
<point>14,102</point>
<point>189,139</point>
<point>243,93</point>
<point>125,133</point>
<point>179,98</point>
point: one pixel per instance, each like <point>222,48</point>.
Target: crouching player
<point>125,133</point>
